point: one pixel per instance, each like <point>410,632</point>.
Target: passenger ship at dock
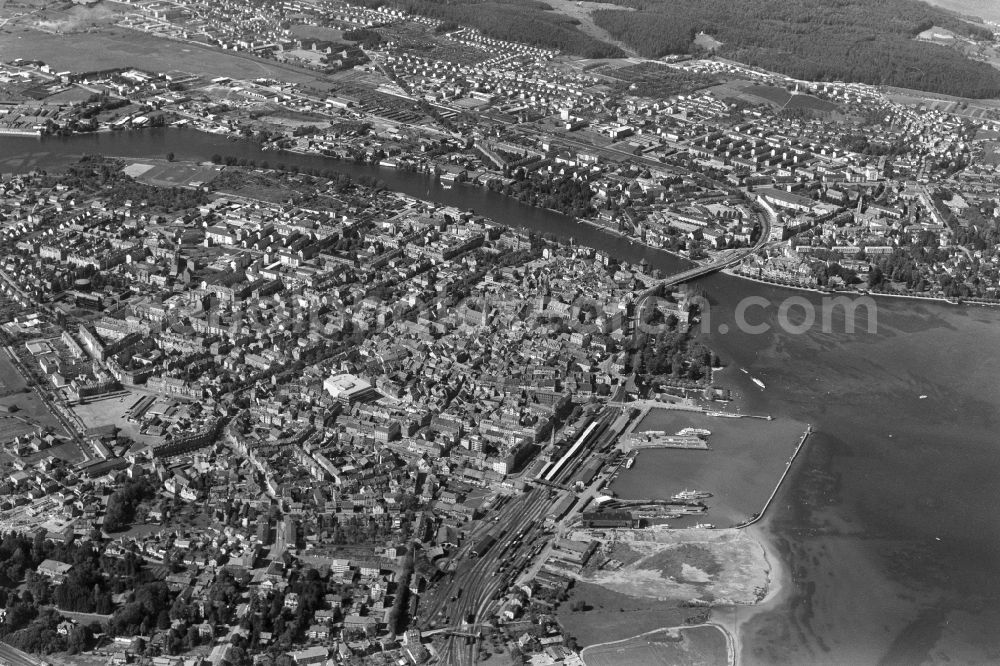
<point>690,495</point>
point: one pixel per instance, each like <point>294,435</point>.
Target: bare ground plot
<point>717,566</point>
<point>111,411</point>
<point>61,16</point>
<point>69,95</point>
<point>610,616</point>
<point>695,646</point>
<point>119,47</point>
<point>706,41</point>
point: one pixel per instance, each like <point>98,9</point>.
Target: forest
<point>522,21</point>
<point>852,40</point>
<point>563,194</point>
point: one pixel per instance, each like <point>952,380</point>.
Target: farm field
<point>120,47</point>
<point>972,108</point>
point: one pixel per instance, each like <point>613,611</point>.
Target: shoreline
<point>730,619</point>
<point>778,588</point>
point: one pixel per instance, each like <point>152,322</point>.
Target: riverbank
<point>631,239</point>
<point>857,294</point>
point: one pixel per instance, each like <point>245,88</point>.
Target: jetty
<point>784,475</point>
<point>657,439</point>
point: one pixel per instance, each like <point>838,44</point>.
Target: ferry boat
<point>630,462</point>
<point>689,495</point>
<point>758,382</point>
<point>704,526</point>
<point>701,432</point>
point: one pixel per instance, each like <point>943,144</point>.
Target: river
<point>888,521</point>
<point>19,154</point>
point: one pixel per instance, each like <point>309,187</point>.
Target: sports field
<point>778,97</point>
<point>172,174</point>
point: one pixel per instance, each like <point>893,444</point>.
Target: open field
<point>787,100</point>
<point>31,413</point>
<point>303,31</point>
<point>694,646</point>
<point>612,616</point>
<point>10,378</point>
<point>991,153</point>
<point>119,47</point>
<point>579,10</point>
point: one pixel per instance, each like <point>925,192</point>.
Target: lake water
<point>888,522</point>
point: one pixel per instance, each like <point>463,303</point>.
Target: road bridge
<point>726,261</point>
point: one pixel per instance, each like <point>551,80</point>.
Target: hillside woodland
<point>847,40</point>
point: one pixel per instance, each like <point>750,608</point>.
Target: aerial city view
<point>499,332</point>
